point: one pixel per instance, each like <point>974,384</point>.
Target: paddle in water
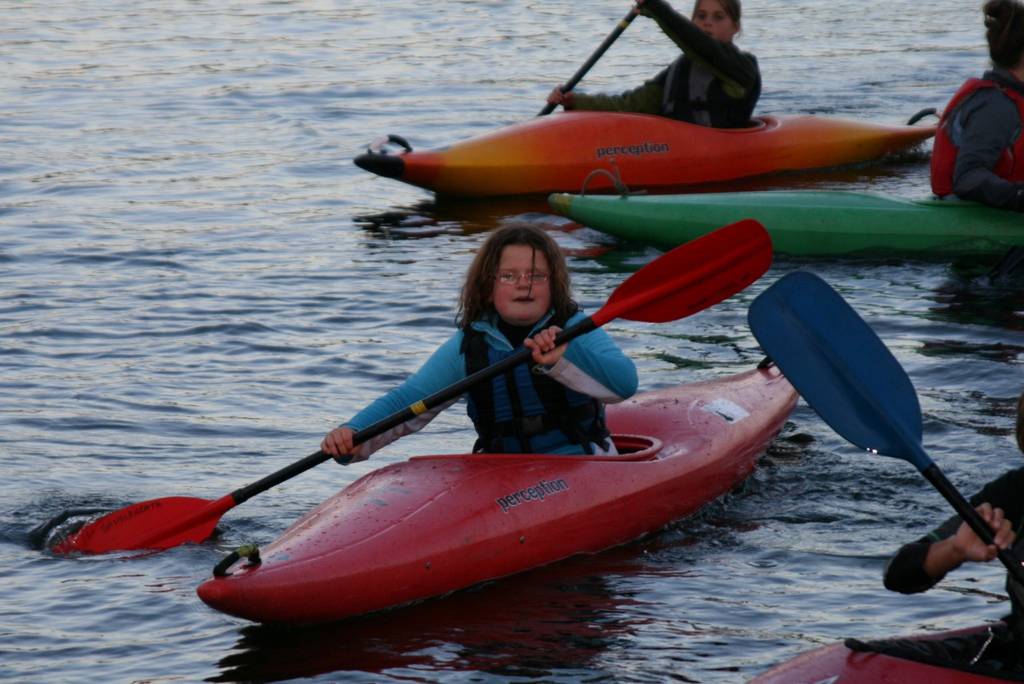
<point>1009,267</point>
<point>592,60</point>
<point>847,375</point>
<point>677,284</point>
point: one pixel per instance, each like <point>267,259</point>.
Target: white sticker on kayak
<point>731,411</point>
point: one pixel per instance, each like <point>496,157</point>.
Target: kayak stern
<point>382,164</point>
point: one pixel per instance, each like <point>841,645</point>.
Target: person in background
<point>516,293</point>
<point>979,151</point>
<point>713,83</point>
<point>920,565</point>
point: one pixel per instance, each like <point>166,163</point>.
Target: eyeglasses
<point>513,277</point>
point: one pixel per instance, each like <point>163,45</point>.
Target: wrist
<point>956,554</point>
<point>942,557</point>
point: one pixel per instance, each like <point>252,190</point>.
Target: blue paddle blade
<point>839,366</point>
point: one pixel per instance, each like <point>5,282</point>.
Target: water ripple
<point>197,283</point>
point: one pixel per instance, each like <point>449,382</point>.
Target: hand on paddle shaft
<point>965,545</point>
<point>340,442</point>
<point>677,284</point>
<point>562,95</point>
<point>845,373</point>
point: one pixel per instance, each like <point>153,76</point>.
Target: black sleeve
<point>905,570</point>
<point>726,60</point>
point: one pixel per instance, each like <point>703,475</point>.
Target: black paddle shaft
<point>408,413</point>
<point>972,518</point>
<point>601,49</point>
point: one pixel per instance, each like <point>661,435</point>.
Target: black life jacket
<point>724,111</point>
<point>521,411</point>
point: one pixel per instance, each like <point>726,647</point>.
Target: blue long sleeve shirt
<point>592,364</point>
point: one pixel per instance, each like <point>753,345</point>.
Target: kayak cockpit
<point>630,448</point>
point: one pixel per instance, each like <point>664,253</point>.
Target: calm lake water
<point>196,283</point>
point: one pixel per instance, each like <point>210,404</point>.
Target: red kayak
<point>837,664</point>
<point>433,524</point>
<point>585,151</point>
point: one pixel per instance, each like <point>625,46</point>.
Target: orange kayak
<point>575,151</point>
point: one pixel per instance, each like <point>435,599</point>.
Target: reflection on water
<point>431,218</point>
<point>434,216</point>
<point>1002,353</point>
<point>972,297</point>
<point>555,618</point>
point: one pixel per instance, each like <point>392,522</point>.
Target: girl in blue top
<point>516,293</point>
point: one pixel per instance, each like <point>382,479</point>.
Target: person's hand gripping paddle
<point>592,60</point>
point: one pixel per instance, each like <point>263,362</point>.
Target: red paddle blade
<point>154,524</point>
<point>693,276</point>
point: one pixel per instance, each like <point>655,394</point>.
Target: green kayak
<point>805,223</point>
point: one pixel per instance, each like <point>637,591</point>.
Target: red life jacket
<point>1011,162</point>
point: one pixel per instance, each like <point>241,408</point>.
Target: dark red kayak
<point>838,664</point>
<point>430,525</point>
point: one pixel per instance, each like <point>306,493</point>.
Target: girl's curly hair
<point>476,298</point>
